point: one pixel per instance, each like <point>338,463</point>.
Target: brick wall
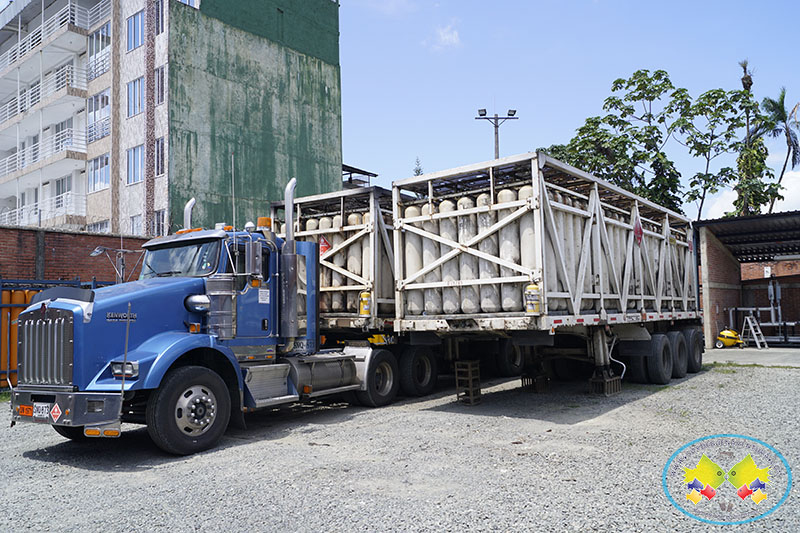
<point>721,278</point>
<point>51,254</point>
<point>778,268</point>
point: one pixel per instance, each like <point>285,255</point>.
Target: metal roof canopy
<point>757,238</point>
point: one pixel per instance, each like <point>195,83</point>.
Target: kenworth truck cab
<point>211,330</point>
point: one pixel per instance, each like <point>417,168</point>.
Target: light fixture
<point>97,251</point>
<point>512,112</point>
<point>481,112</point>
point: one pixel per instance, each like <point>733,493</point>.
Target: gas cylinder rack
<point>353,230</point>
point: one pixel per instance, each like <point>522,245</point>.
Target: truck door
<point>255,299</point>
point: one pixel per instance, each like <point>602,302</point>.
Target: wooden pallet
<point>468,382</point>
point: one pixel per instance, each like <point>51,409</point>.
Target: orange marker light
<point>194,327</point>
<point>111,433</point>
<point>255,283</point>
<point>91,432</point>
<point>306,389</point>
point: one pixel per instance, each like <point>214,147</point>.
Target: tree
<point>752,188</point>
<point>417,167</point>
<point>783,124</point>
<point>711,126</point>
<point>626,146</point>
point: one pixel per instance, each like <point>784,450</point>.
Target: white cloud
<point>719,205</point>
<point>447,37</point>
<point>791,192</point>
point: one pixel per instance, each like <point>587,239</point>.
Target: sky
<point>415,72</point>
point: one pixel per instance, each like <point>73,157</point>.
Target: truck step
<point>328,392</point>
<point>266,402</point>
<point>267,382</point>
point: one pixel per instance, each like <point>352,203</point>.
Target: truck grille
<point>45,347</point>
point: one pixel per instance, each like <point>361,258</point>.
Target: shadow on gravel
<point>566,402</point>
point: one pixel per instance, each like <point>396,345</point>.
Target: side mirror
<point>252,258</point>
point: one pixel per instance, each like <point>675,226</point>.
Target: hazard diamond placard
<point>55,412</point>
<point>324,245</point>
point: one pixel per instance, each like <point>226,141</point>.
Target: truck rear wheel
<point>659,365</point>
<point>510,361</point>
<point>382,379</point>
<point>189,412</point>
<point>680,355</point>
<point>71,432</point>
<point>695,348</point>
<point>419,370</point>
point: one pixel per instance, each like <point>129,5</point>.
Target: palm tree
<point>783,124</point>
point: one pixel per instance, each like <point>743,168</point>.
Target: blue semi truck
<point>205,335</point>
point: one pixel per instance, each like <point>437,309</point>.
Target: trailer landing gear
<point>603,381</point>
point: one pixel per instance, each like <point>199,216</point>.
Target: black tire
<point>680,354</point>
<point>694,347</point>
<point>637,369</point>
<point>199,390</point>
<point>419,370</point>
<point>719,345</point>
<point>71,432</point>
<point>659,365</point>
<point>510,359</point>
<point>383,380</point>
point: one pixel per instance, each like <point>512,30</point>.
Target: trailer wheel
<point>189,412</point>
<point>382,380</point>
<point>695,348</point>
<point>680,353</point>
<point>71,432</point>
<point>718,345</point>
<point>659,365</point>
<point>510,360</point>
<point>419,370</point>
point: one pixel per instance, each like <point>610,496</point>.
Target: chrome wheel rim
<point>196,410</point>
<point>384,378</point>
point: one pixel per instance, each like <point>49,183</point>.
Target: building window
<point>191,3</point>
<point>97,108</point>
<point>99,227</point>
<point>135,97</point>
<point>135,30</point>
<point>135,164</point>
<point>160,222</point>
<point>159,16</point>
<point>136,225</point>
<point>160,89</point>
<point>63,186</point>
<point>99,173</point>
<point>160,160</point>
<point>99,52</point>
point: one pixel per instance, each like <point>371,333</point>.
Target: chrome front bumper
<point>65,408</point>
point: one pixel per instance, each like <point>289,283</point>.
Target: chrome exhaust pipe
<point>289,323</point>
<point>288,207</point>
<point>187,214</point>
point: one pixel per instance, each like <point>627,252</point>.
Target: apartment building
<point>114,112</point>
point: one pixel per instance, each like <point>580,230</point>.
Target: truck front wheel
<point>189,412</point>
<point>382,379</point>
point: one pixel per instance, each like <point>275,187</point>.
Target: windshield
<point>191,259</point>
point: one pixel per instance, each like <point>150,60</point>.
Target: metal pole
<point>496,137</point>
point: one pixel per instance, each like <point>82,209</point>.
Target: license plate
<point>41,410</point>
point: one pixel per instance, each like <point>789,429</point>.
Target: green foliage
<point>710,128</point>
<point>417,167</point>
<point>626,146</point>
<point>782,124</point>
<point>752,188</point>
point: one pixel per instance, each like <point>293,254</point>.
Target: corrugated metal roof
<point>758,238</point>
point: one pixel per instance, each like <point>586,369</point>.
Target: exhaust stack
<point>289,324</point>
<point>187,214</point>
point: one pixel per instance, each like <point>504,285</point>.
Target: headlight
<point>197,303</point>
<point>131,369</point>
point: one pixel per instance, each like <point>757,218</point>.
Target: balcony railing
<point>66,76</point>
<point>64,140</point>
<point>98,130</point>
<point>99,64</point>
<point>99,13</point>
<point>69,14</point>
<point>47,211</point>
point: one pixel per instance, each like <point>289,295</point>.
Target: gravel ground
<point>560,461</point>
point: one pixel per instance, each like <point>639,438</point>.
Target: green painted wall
<point>230,90</point>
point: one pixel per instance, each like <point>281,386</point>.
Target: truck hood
<point>157,306</point>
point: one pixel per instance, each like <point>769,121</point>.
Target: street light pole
<point>496,121</point>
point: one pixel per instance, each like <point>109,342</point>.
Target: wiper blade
<point>168,273</point>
